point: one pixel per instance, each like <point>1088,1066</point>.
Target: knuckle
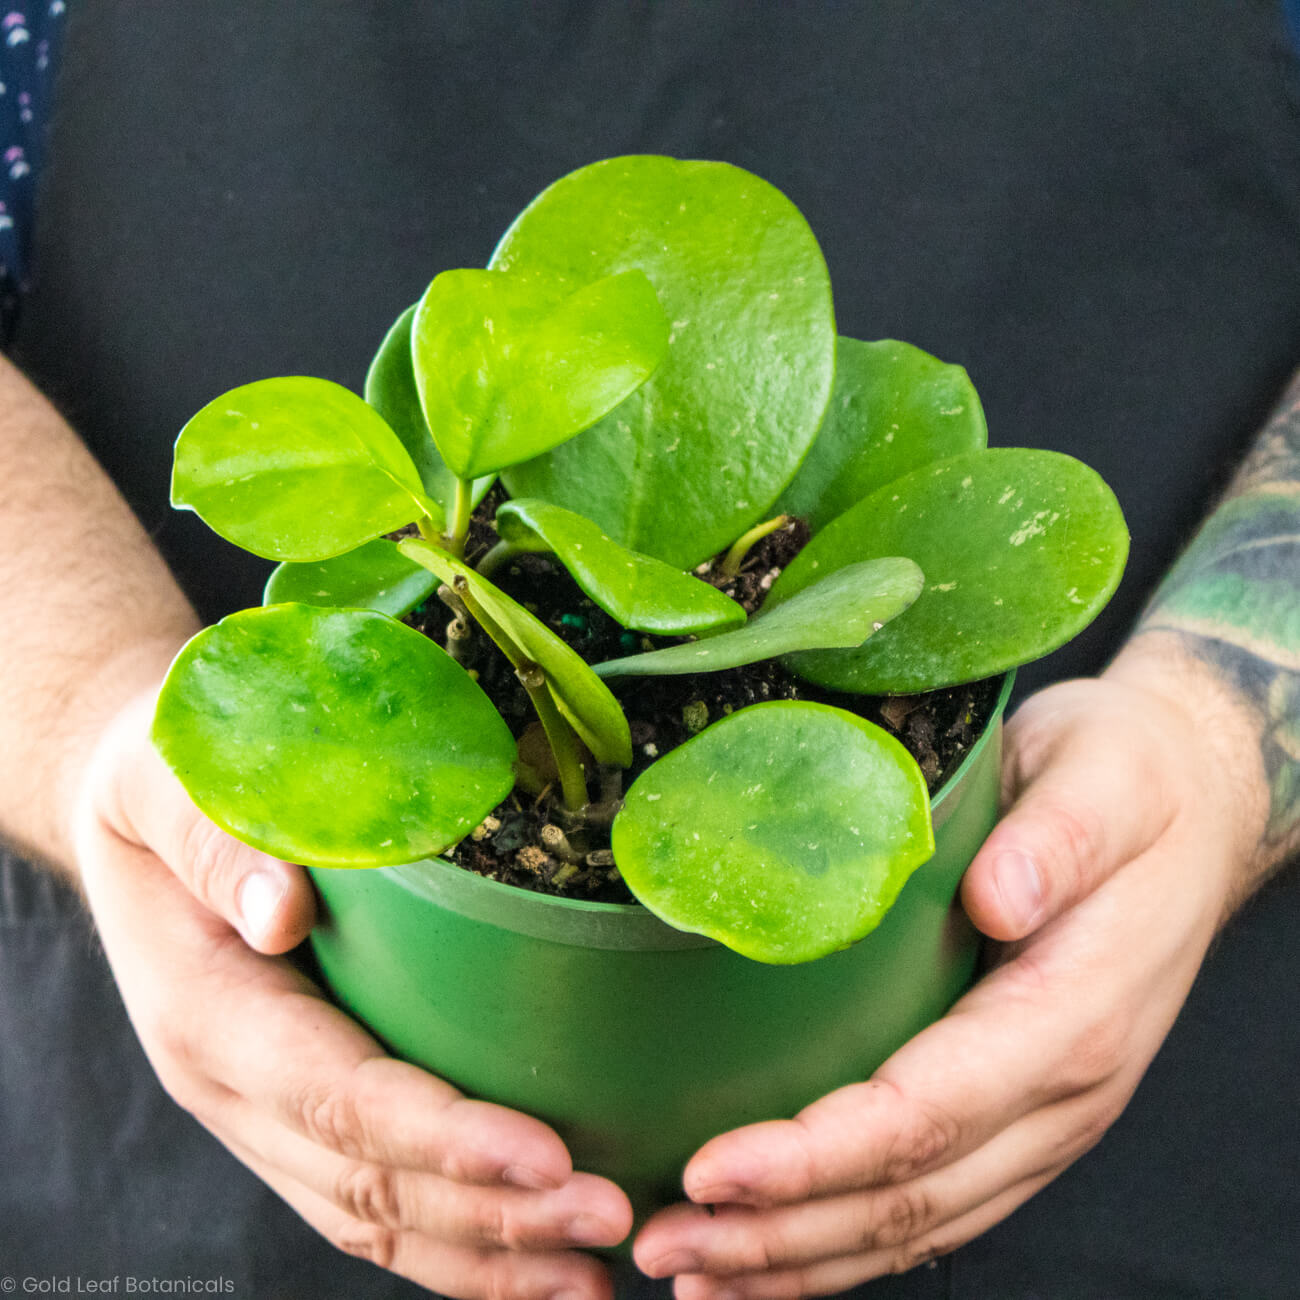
<point>492,1225</point>
<point>1096,1054</point>
<point>1078,840</point>
<point>932,1137</point>
<point>904,1214</point>
<point>368,1241</point>
<point>329,1117</point>
<point>209,861</point>
<point>367,1192</point>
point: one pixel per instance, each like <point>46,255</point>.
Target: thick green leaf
<point>893,409</point>
<point>390,389</point>
<point>334,738</point>
<point>785,831</point>
<point>508,366</point>
<point>636,590</point>
<point>295,469</point>
<point>843,609</point>
<point>578,693</point>
<point>697,454</point>
<point>375,576</point>
<point>1020,551</point>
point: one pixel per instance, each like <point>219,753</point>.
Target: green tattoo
<point>1234,597</point>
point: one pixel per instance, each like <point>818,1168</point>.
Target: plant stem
<point>559,734</point>
<point>428,530</point>
<point>563,742</point>
<point>735,557</point>
<point>462,509</point>
<point>496,557</point>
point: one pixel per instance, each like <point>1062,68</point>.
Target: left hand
<point>1136,804</point>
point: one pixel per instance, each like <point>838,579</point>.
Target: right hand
<point>386,1161</point>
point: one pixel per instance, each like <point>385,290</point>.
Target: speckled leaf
<point>334,738</point>
<point>841,610</point>
<point>697,454</point>
<point>578,693</point>
<point>785,831</point>
<point>390,389</point>
<point>1020,550</point>
<point>295,469</point>
<point>893,409</point>
<point>374,576</point>
<point>507,366</point>
<point>640,592</point>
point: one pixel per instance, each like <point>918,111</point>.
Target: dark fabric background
<point>1093,206</point>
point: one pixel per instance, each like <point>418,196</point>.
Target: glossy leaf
<point>578,693</point>
<point>843,609</point>
<point>696,455</point>
<point>334,738</point>
<point>508,366</point>
<point>1020,550</point>
<point>636,590</point>
<point>893,409</point>
<point>295,469</point>
<point>784,831</point>
<point>390,389</point>
<point>375,576</point>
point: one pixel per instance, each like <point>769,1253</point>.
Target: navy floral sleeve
<point>29,42</point>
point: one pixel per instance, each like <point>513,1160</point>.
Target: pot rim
<point>594,924</point>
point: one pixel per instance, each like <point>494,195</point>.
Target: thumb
<point>271,903</point>
<point>1088,797</point>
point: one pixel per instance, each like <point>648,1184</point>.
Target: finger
<point>460,1272</point>
<point>270,902</point>
<point>831,1276</point>
<point>267,1035</point>
<point>586,1211</point>
<point>1027,1035</point>
<point>740,1239</point>
<point>1076,822</point>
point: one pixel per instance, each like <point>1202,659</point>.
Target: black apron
<point>1094,207</point>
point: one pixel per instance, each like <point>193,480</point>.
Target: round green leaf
<point>893,409</point>
<point>698,453</point>
<point>295,469</point>
<point>636,590</point>
<point>507,366</point>
<point>579,694</point>
<point>375,576</point>
<point>785,831</point>
<point>334,738</point>
<point>843,609</point>
<point>390,389</point>
<point>1020,550</point>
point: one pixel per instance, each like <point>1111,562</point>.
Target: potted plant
<point>650,367</point>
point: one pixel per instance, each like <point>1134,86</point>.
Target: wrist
<point>86,716</point>
<point>1223,734</point>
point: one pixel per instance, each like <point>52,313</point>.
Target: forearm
<point>90,613</point>
<point>1232,603</point>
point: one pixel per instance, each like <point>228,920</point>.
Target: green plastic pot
<point>636,1041</point>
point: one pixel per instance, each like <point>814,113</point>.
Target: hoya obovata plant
<point>650,365</point>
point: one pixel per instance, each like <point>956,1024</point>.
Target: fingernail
<point>522,1176</point>
<point>587,1230</point>
<point>260,894</point>
<point>717,1192</point>
<point>1021,889</point>
<point>676,1261</point>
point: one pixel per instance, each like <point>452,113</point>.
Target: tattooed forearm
<point>1234,600</point>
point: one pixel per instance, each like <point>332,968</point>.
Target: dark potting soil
<point>528,840</point>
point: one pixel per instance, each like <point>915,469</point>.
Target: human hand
<point>1136,802</point>
<point>386,1161</point>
